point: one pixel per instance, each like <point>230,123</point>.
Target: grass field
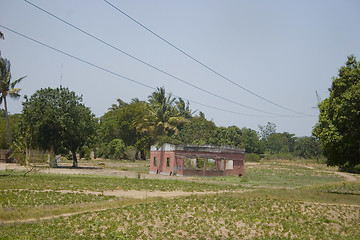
<point>281,200</point>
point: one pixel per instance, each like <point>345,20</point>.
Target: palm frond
<point>13,84</point>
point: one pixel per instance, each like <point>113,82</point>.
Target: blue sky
<point>283,51</point>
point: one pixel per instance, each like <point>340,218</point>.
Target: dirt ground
<point>65,168</point>
<point>94,170</point>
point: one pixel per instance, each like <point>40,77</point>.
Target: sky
<point>282,51</point>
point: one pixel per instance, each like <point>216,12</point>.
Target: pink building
<point>197,160</point>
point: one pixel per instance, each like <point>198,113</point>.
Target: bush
<point>116,149</point>
<point>283,155</point>
<point>131,152</point>
<point>103,151</point>
<point>252,157</point>
<point>85,152</point>
<point>351,169</point>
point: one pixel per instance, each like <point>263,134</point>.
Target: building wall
<point>176,163</point>
<point>162,158</point>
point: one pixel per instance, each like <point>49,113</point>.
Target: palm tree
<point>184,108</point>
<point>1,37</point>
<point>121,104</point>
<point>163,118</point>
<point>7,88</point>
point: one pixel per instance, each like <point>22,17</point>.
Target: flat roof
<point>197,148</point>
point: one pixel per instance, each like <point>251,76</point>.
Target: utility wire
<point>202,64</point>
<point>124,77</point>
<point>148,64</point>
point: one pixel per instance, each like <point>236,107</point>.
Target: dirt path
<point>85,169</point>
<point>135,194</point>
<point>348,176</point>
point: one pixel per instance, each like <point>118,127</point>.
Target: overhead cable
<point>127,78</point>
<point>201,63</point>
<point>148,64</point>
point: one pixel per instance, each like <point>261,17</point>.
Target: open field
<point>275,200</point>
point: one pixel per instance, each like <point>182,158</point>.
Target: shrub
<point>131,152</point>
<point>116,149</point>
<point>281,155</point>
<point>252,157</point>
<point>351,169</point>
<point>86,152</point>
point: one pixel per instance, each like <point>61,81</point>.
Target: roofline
<point>197,148</point>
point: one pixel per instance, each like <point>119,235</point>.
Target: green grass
<point>22,198</point>
<point>40,181</point>
<point>352,188</point>
<point>207,217</point>
<point>287,200</point>
<point>280,175</point>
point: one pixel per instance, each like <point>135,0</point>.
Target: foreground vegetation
<point>280,200</point>
<point>222,216</point>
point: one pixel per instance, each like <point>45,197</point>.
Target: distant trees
<point>287,145</point>
<point>163,118</point>
<point>339,120</point>
<point>7,88</point>
<point>198,130</point>
<point>140,124</point>
<point>308,147</point>
<point>56,120</point>
<point>121,122</point>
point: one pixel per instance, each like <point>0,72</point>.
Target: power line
<point>202,64</point>
<point>148,64</point>
<point>124,77</point>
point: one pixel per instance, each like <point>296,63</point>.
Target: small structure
<point>197,160</point>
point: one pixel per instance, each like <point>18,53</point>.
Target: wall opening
<point>229,164</point>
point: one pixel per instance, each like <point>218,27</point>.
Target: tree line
<point>56,120</point>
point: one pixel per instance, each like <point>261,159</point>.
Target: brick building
<point>197,160</point>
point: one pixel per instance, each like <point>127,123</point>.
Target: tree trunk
<point>52,160</point>
<point>7,123</point>
<point>143,155</point>
<point>75,162</point>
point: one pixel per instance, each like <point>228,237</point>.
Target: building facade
<point>197,160</point>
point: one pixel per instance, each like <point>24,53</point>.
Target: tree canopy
<point>56,120</point>
<point>338,127</point>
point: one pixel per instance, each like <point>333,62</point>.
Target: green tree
<point>251,141</point>
<point>198,130</point>
<point>162,118</point>
<point>184,108</point>
<point>308,147</point>
<point>7,88</point>
<point>116,149</point>
<point>121,123</point>
<point>120,105</point>
<point>339,120</point>
<point>227,136</point>
<point>266,131</point>
<point>56,120</point>
<point>277,143</point>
